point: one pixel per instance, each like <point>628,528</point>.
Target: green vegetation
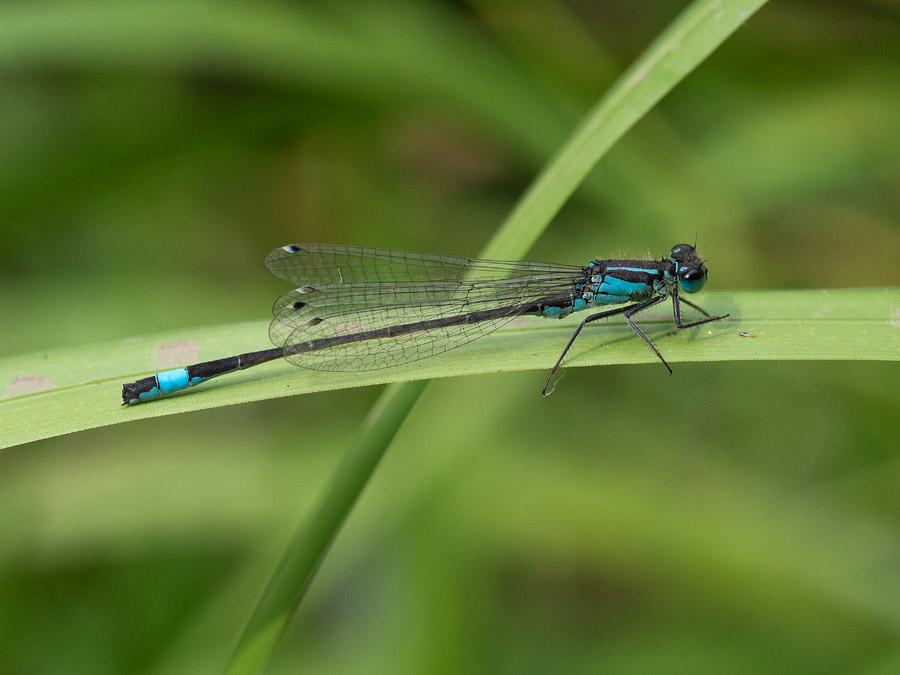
<point>732,517</point>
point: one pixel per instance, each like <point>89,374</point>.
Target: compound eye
<point>692,274</point>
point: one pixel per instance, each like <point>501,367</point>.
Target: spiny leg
<point>676,307</point>
<point>634,310</point>
<point>630,309</point>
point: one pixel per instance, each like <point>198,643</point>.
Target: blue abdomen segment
<point>161,384</point>
<point>171,381</point>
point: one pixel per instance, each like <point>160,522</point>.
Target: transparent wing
<point>295,307</point>
<point>371,338</point>
<point>312,264</point>
<point>353,289</point>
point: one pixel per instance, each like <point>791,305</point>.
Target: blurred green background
<point>737,518</point>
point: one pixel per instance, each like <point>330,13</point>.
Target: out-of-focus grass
<point>732,517</point>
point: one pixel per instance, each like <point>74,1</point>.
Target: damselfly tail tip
<point>140,390</point>
<point>128,393</point>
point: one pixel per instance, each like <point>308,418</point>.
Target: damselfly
<point>357,308</point>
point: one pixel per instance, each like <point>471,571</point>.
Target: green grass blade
<point>85,382</point>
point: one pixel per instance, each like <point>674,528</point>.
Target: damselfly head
<point>689,268</point>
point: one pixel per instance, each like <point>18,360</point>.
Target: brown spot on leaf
<point>174,354</point>
<point>27,384</point>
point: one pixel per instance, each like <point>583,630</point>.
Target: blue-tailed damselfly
<point>358,308</point>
